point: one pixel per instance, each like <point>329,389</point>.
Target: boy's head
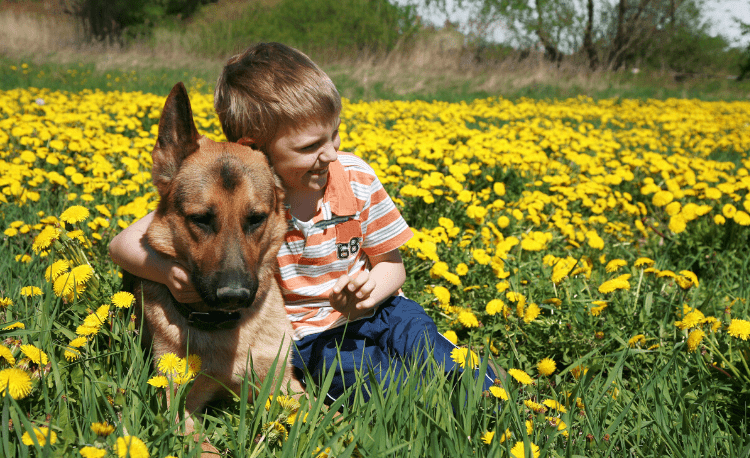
<point>270,87</point>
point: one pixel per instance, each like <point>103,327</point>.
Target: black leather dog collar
<point>208,321</point>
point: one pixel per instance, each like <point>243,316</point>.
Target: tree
<point>606,32</point>
<point>745,65</point>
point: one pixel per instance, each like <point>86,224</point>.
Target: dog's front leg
<point>202,391</point>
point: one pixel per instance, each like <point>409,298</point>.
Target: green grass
<point>666,401</point>
<point>447,88</point>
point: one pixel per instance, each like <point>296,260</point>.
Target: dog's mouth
<point>226,292</point>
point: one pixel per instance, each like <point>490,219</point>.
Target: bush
<point>109,20</point>
<point>324,26</point>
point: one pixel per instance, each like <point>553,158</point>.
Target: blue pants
<point>394,336</point>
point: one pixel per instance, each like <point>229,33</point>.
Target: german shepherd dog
<point>221,214</point>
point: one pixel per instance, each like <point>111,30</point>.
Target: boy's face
<point>300,155</point>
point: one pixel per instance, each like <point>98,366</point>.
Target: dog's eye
<point>203,220</point>
<point>254,221</point>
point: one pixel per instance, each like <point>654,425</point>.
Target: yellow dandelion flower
<point>677,224</point>
<point>132,447</point>
<point>615,265</point>
<point>463,356</point>
<point>468,319</point>
<point>546,366</point>
<point>638,339</point>
<point>499,393</point>
<point>713,322</point>
<point>71,354</point>
<point>739,329</point>
<point>57,268</point>
<point>487,437</point>
<point>92,452</point>
<point>518,450</point>
<point>643,262</point>
<point>158,381</point>
<point>17,325</point>
<point>82,273</point>
<point>78,342</point>
<point>123,299</point>
<point>742,218</point>
<point>462,269</point>
<point>561,426</point>
<point>5,302</point>
<point>613,285</point>
<point>442,294</point>
<point>553,301</point>
<point>578,371</point>
<point>532,311</point>
<point>521,376</point>
<point>170,363</point>
<point>719,220</point>
<point>534,407</point>
<point>45,238</point>
<point>451,336</point>
<point>74,214</point>
<point>729,210</point>
<point>694,339</point>
<point>7,355</point>
<point>275,432</point>
<point>691,320</point>
<point>102,428</point>
<point>662,198</point>
<point>596,311</point>
<point>36,355</point>
<point>194,363</point>
<point>552,404</point>
<point>31,291</point>
<point>42,435</point>
<point>64,285</point>
<point>15,382</point>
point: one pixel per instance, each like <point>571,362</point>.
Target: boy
<point>339,269</point>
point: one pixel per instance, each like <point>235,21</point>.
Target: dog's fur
<point>221,215</point>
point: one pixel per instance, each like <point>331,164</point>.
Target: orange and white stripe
<point>357,219</point>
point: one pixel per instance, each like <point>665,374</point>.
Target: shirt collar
<point>339,193</point>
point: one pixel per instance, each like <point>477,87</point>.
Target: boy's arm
<point>130,251</point>
<point>355,297</point>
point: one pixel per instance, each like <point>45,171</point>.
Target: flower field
<point>597,249</point>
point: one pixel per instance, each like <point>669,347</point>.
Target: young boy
<point>340,270</point>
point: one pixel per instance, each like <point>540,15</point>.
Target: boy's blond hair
<point>270,87</point>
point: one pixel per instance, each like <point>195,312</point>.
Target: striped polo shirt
<point>356,219</point>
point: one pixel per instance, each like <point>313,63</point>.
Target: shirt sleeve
<point>383,226</point>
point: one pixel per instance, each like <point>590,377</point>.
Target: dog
<point>221,214</point>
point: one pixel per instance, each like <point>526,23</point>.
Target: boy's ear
<point>177,139</point>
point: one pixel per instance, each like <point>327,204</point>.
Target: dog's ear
<point>178,138</point>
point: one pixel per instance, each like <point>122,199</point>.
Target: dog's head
<point>221,211</point>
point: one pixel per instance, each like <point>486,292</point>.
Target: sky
<point>720,13</point>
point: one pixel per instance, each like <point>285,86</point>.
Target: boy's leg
<point>345,351</point>
<point>403,327</point>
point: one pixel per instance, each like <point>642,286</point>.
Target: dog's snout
<point>233,293</point>
<point>235,289</point>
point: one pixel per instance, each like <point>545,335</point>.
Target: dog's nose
<point>233,293</point>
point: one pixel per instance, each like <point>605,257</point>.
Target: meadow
<point>598,249</point>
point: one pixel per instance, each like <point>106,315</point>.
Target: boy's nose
<point>329,154</point>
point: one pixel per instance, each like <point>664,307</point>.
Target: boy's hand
<point>180,286</point>
<point>351,296</point>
